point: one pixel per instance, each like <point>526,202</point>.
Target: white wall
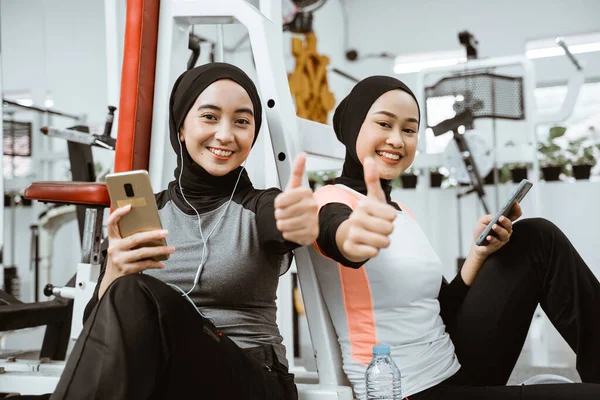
<point>402,27</point>
<point>55,47</point>
<point>571,206</point>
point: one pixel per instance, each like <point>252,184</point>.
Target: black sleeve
<point>331,217</point>
<point>270,238</point>
<point>451,297</point>
<point>94,300</point>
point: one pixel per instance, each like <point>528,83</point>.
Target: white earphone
<point>204,256</point>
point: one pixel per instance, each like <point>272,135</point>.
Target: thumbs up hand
<point>374,190</point>
<point>367,229</point>
<point>296,211</point>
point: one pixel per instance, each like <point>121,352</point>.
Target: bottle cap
<point>381,349</point>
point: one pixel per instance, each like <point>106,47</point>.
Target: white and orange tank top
<point>392,299</point>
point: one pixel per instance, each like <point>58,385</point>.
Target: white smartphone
<point>516,197</point>
<point>134,188</point>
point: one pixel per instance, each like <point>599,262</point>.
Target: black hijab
<point>203,190</point>
<point>348,119</point>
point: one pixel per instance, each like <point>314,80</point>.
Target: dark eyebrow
<point>210,107</point>
<point>217,108</point>
<point>245,110</point>
<point>389,114</point>
<point>392,115</point>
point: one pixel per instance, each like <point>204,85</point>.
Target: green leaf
<point>578,142</point>
<point>554,147</point>
<point>557,131</point>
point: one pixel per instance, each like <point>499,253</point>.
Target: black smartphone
<point>516,197</point>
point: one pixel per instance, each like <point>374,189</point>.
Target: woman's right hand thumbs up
<point>367,229</point>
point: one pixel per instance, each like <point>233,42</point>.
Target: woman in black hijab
<point>203,323</point>
<point>450,341</point>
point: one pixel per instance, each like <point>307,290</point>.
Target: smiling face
<point>218,131</point>
<point>389,133</point>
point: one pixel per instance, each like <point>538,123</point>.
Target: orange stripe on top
<point>358,304</point>
<point>355,287</point>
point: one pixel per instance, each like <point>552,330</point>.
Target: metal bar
<point>35,242</point>
<point>1,199</point>
<point>90,249</point>
<point>272,10</point>
<point>459,223</point>
<point>70,135</point>
<point>226,49</point>
<point>38,109</point>
<point>112,32</point>
<point>219,56</point>
<point>345,75</point>
<point>568,53</point>
<point>563,82</point>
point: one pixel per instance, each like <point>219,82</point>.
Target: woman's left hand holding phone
<point>502,232</point>
<point>124,255</point>
<point>478,254</point>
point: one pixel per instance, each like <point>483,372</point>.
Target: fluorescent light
<point>25,102</point>
<point>577,44</point>
<point>406,64</point>
<point>408,68</point>
<point>558,51</point>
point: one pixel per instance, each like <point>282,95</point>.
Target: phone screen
<point>516,196</point>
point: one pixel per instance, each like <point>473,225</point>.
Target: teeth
<point>389,155</point>
<point>222,153</point>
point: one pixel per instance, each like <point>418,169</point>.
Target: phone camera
<point>128,190</point>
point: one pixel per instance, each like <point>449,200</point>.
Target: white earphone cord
<point>204,256</point>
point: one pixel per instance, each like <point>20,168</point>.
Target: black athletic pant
<point>145,341</point>
<point>538,266</point>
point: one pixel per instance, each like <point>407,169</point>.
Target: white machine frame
<point>41,376</point>
<point>1,187</point>
<point>176,18</point>
<point>52,220</point>
<point>526,152</point>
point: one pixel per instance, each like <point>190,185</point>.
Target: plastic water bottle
<point>383,376</point>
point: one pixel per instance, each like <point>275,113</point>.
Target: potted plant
<point>435,177</point>
<point>516,171</point>
<point>582,157</point>
<point>489,178</point>
<point>409,179</point>
<point>552,159</point>
<point>503,175</point>
<point>321,178</point>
